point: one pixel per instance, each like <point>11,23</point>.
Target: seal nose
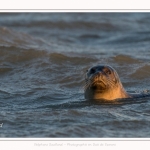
<point>98,75</point>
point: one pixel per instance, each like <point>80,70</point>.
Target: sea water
<point>43,60</point>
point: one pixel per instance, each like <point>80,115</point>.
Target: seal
<point>102,82</point>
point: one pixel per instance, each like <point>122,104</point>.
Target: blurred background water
<point>43,59</point>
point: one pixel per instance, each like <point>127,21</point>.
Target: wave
<point>125,59</point>
<point>142,72</point>
<point>12,38</point>
<point>70,59</point>
<point>68,25</point>
<point>4,70</point>
<point>14,54</point>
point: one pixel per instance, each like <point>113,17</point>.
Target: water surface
<point>43,59</point>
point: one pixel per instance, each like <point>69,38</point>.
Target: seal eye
<point>92,71</point>
<point>108,71</point>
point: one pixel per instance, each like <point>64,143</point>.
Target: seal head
<point>102,82</point>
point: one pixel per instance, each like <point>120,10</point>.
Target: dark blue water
<point>43,59</point>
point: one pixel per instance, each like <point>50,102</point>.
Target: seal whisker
<point>86,84</point>
<point>111,82</point>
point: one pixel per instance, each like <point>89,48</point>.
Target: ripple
<point>142,72</point>
<point>125,59</point>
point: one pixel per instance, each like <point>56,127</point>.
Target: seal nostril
<point>99,73</point>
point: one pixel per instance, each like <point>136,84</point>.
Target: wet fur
<point>103,83</point>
